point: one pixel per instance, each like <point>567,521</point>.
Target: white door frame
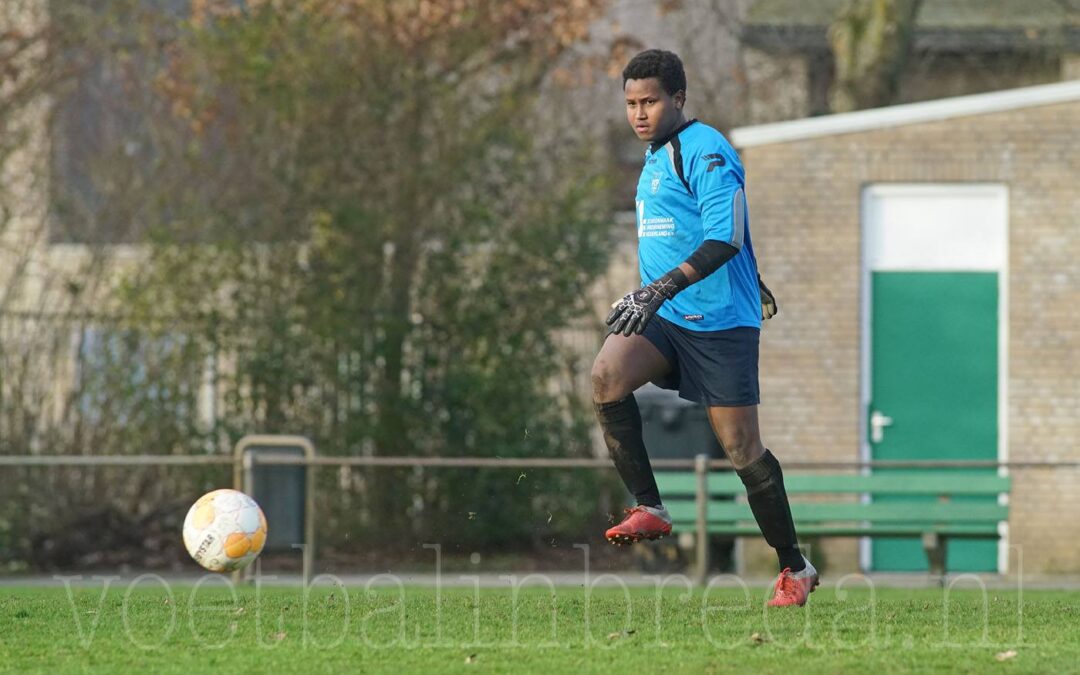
<point>946,242</point>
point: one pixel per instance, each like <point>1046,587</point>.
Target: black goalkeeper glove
<point>769,307</point>
<point>632,313</point>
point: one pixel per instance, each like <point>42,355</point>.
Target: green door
<point>934,388</point>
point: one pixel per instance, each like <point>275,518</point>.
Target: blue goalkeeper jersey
<point>691,189</point>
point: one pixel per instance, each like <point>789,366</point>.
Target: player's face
<point>652,112</point>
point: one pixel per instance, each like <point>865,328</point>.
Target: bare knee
<point>737,430</point>
<point>740,438</point>
<point>606,383</point>
<point>742,449</point>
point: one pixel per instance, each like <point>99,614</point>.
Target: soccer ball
<point>224,530</point>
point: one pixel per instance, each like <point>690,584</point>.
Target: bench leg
<point>934,545</point>
<point>701,530</point>
<point>701,551</point>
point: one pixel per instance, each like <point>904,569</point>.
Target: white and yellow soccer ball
<point>224,530</point>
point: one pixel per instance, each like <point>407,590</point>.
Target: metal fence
<point>245,465</point>
<point>499,463</point>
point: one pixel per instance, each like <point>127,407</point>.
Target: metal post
<point>246,484</point>
<point>309,516</point>
<point>701,500</point>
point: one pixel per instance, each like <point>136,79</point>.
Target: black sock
<point>621,422</point>
<point>768,500</point>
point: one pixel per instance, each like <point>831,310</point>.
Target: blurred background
<point>394,226</point>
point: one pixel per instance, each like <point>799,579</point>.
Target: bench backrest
<point>728,484</point>
<point>953,490</point>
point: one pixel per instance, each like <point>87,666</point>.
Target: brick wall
<point>804,203</point>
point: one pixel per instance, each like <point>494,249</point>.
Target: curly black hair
<point>665,66</point>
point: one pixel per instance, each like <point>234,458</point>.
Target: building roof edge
<point>907,113</point>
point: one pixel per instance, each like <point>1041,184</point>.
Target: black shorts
<point>715,368</point>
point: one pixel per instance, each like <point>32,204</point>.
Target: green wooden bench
<point>714,504</point>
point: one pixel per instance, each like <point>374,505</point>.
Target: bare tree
<point>871,41</point>
<point>345,207</point>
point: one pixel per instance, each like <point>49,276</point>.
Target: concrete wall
<point>39,281</point>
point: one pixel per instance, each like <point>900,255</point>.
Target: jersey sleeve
<point>718,189</point>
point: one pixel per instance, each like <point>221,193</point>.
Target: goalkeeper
<point>694,324</point>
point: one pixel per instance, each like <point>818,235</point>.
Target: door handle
<point>878,422</point>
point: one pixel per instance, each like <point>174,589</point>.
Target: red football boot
<point>793,588</point>
<point>641,522</point>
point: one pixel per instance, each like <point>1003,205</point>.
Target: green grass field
<point>413,630</point>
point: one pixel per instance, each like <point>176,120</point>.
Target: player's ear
<point>680,99</point>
